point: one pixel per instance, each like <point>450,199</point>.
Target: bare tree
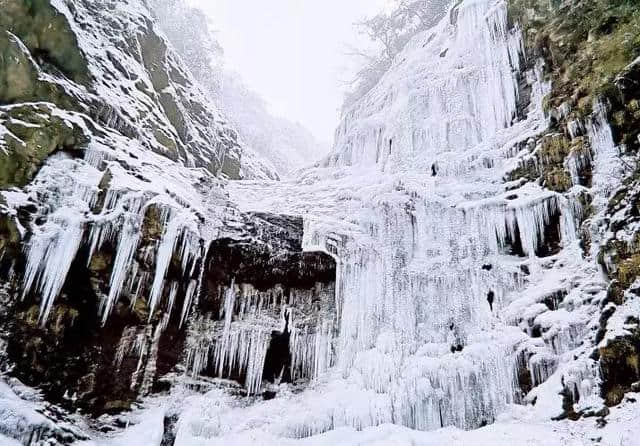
<point>390,32</point>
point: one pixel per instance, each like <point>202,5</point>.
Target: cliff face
<point>588,52</point>
<point>122,257</point>
<point>466,255</point>
<point>110,64</point>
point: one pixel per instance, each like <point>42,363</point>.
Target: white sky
<point>292,52</point>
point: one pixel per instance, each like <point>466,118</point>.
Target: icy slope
<point>459,292</point>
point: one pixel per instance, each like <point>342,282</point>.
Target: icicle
<point>541,367</point>
<point>188,298</point>
<point>175,229</point>
<point>193,290</point>
<point>226,311</point>
<point>97,236</point>
<point>312,353</point>
<point>51,253</point>
<point>142,346</point>
<point>172,296</point>
<point>127,245</point>
<point>128,343</point>
<point>575,162</point>
<point>608,164</point>
<point>163,256</point>
<point>150,365</point>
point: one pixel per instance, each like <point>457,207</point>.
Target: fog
<point>293,52</point>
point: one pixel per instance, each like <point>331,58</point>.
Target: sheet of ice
<point>410,205</point>
<point>434,314</point>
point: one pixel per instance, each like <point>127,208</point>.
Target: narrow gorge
<point>462,268</point>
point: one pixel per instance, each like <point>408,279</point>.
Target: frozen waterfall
<point>412,204</point>
<point>448,274</point>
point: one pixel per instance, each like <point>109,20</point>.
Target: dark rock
<point>268,395</point>
<point>551,242</point>
<point>277,363</point>
<point>524,374</point>
<point>619,367</point>
<point>35,133</point>
<point>553,300</point>
<point>567,406</point>
<point>513,243</point>
<point>170,427</point>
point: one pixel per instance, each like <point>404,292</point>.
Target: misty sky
<point>292,52</point>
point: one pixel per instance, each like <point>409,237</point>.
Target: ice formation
<point>412,187</point>
<point>412,205</point>
<point>72,214</point>
<point>450,280</point>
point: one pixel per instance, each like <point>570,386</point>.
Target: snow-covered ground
<point>515,426</point>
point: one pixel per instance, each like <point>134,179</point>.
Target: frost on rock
<point>147,245</point>
<point>404,281</point>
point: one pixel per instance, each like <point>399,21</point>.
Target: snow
<point>207,414</point>
<point>22,415</point>
<point>413,206</point>
<point>8,441</point>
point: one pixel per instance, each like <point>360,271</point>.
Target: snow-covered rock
<point>113,65</point>
<point>412,283</point>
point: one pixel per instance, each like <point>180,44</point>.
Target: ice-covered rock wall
<point>113,64</point>
<point>168,263</point>
<point>458,290</point>
<point>112,197</point>
<point>451,90</point>
<point>419,277</point>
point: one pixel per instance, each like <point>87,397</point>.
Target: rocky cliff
<point>123,258</point>
<point>588,52</point>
